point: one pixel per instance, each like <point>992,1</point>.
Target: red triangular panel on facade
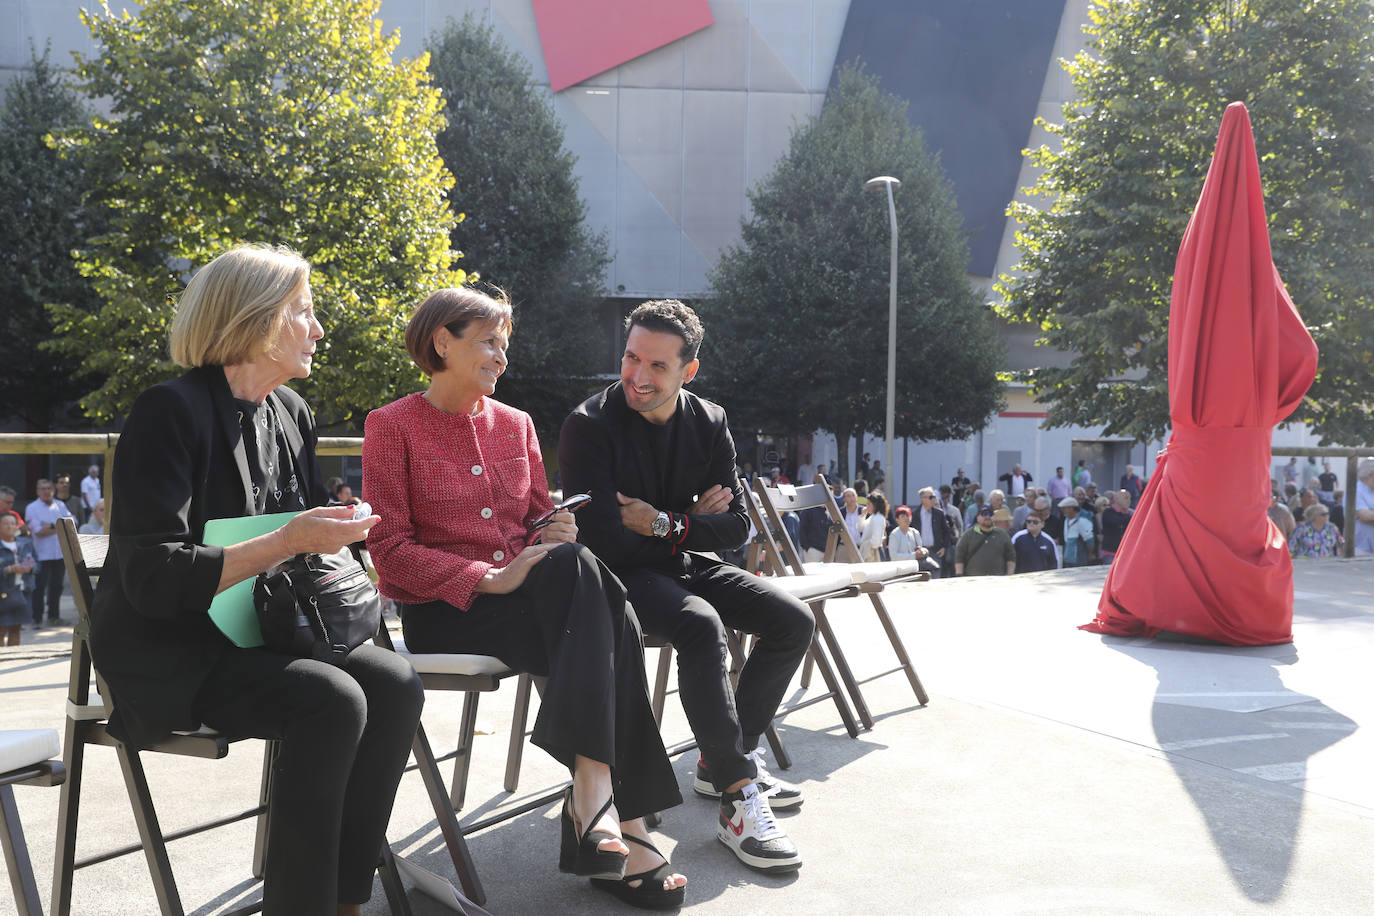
<point>589,37</point>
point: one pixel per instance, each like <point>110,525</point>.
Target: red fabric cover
<point>1201,556</point>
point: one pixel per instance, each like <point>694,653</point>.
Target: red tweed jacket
<point>454,493</point>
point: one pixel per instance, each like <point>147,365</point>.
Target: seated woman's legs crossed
<point>566,622</point>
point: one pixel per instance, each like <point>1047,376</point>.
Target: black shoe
<point>781,794</point>
<point>747,826</point>
<point>649,893</point>
<point>582,855</point>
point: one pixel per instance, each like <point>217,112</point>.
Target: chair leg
<point>834,688</point>
<point>68,809</point>
<point>842,667</point>
<point>737,657</point>
<point>448,822</point>
<point>17,856</point>
<point>154,847</point>
<point>784,759</point>
<point>270,751</point>
<point>462,760</point>
<point>660,695</point>
<point>900,649</point>
<point>391,884</point>
<point>515,750</point>
<point>806,672</point>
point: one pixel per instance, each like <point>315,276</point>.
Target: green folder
<point>232,609</point>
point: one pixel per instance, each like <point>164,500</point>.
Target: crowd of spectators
<point>1308,507</point>
<point>32,576</point>
<point>961,529</point>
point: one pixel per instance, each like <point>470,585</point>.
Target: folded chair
<point>25,760</point>
<point>87,723</point>
<point>869,578</point>
<point>815,589</point>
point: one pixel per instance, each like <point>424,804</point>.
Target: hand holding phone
<point>571,504</point>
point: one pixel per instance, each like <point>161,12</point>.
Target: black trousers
<point>569,622</point>
<point>48,578</point>
<point>346,734</point>
<point>691,606</point>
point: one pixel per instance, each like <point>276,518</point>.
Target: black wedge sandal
<point>581,855</point>
<point>649,893</point>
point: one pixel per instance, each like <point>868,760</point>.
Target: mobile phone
<point>571,504</point>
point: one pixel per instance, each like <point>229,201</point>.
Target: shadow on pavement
<point>1242,720</point>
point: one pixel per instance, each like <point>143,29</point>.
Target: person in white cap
<point>1078,534</point>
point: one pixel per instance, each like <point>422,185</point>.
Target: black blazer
<point>604,447</point>
<point>180,462</point>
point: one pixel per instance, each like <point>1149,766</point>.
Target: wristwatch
<point>661,525</point>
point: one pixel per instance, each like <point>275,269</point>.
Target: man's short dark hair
<point>672,317</point>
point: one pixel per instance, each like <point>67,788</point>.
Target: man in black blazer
<point>659,463</point>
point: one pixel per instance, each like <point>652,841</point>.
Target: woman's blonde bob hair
<point>233,309</point>
<point>454,308</point>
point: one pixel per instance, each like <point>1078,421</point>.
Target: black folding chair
<point>87,724</point>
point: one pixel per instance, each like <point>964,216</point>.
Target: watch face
<point>660,525</point>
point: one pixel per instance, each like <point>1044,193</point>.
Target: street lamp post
<point>877,184</point>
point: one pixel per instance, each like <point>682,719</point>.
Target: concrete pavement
<point>1053,771</point>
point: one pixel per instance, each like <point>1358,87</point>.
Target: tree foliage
<point>797,324</point>
<point>1097,263</point>
<point>43,217</point>
<point>282,121</point>
<point>525,228</point>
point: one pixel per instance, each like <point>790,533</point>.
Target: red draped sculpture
<point>1201,556</point>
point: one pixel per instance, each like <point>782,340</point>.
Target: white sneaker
<point>747,827</point>
<point>781,794</point>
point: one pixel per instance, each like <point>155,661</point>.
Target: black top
<point>181,461</point>
<point>276,487</point>
<point>606,447</point>
<point>1034,552</point>
<point>1114,523</point>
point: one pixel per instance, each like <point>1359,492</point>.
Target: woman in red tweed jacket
<point>457,478</point>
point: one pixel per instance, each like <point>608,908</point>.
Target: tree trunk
<point>842,461</point>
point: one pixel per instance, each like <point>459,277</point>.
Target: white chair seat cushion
<point>450,663</point>
<point>812,584</point>
<point>868,572</point>
<point>25,747</point>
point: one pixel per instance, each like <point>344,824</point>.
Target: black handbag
<point>319,606</point>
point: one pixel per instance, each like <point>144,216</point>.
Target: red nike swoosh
<point>738,829</point>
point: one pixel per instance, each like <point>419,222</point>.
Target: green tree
<point>283,121</point>
<point>44,218</point>
<point>1097,262</point>
<point>808,286</point>
<point>525,228</point>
